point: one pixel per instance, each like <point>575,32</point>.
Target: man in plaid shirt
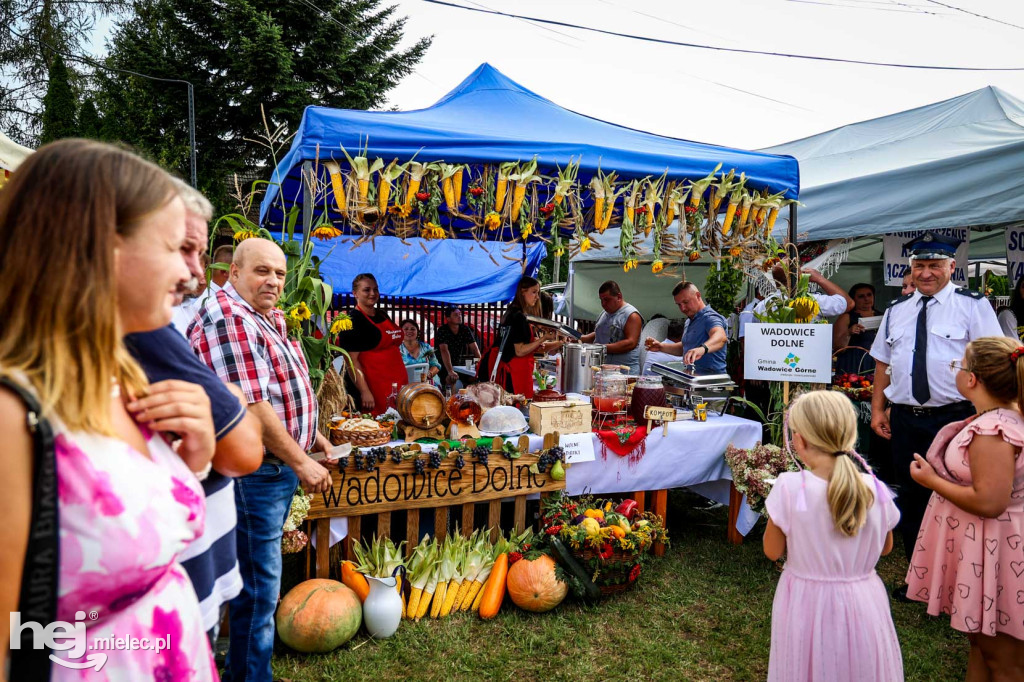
<point>243,337</point>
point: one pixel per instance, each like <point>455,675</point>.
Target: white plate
<point>495,434</point>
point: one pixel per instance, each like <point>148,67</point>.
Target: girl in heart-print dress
<point>969,559</point>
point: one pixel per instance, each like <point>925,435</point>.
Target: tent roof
<point>955,163</point>
<point>489,118</point>
<point>11,153</point>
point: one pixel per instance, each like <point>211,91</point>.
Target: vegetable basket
<point>857,385</point>
<point>617,572</point>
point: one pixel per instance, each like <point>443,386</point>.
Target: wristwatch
<point>705,347</point>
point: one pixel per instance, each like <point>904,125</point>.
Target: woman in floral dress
<point>90,240</point>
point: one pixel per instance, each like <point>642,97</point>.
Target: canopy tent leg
<point>307,202</point>
<point>794,275</point>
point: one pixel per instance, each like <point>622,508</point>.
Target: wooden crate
<point>397,487</point>
<point>562,416</point>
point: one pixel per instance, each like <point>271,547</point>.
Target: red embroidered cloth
<point>633,448</point>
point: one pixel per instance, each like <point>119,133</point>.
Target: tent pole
<point>307,202</point>
<point>556,278</point>
<point>794,276</point>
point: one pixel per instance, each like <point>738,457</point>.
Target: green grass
<point>703,612</point>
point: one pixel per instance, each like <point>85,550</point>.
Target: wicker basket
<point>620,562</point>
<point>361,439</point>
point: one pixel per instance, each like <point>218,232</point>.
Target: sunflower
<point>342,323</point>
<point>657,266</point>
<point>300,311</point>
<point>244,234</point>
<point>325,232</point>
<point>492,221</point>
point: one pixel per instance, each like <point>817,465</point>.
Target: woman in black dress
<point>848,331</point>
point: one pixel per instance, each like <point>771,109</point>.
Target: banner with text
<point>1014,254</point>
<point>897,257</point>
<point>788,352</point>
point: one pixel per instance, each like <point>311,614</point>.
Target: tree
<point>242,55</point>
<point>89,123</point>
<point>59,116</point>
<point>32,32</point>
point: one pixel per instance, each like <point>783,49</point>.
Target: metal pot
<point>578,363</point>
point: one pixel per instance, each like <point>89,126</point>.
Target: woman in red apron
<point>516,364</point>
<point>373,343</point>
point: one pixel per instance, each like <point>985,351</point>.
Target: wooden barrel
<point>421,405</point>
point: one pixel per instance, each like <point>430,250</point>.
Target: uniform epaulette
<point>972,294</point>
<point>901,299</point>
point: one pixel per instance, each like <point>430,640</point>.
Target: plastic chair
<point>656,329</point>
<point>416,371</point>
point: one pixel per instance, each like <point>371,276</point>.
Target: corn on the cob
<point>744,224</point>
<point>698,187</point>
<point>479,598</point>
<point>363,171</point>
<point>501,188</point>
<point>730,213</point>
<point>457,184</point>
<point>416,173</point>
<point>334,169</point>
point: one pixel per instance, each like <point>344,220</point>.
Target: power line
<point>97,65</point>
<point>975,14</point>
<point>726,49</point>
<point>355,35</point>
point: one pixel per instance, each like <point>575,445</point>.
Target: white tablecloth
<point>691,456</point>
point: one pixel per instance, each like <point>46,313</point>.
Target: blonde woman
<point>830,618</point>
<point>90,240</point>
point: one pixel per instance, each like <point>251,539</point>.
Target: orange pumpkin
<point>532,585</point>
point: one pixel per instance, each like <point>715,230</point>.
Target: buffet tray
<point>683,374</point>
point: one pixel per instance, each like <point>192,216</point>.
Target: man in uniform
<point>921,333</point>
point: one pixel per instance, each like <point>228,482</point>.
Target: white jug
<point>382,610</point>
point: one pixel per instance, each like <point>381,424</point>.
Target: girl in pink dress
<point>830,618</point>
<point>90,250</point>
<point>969,558</point>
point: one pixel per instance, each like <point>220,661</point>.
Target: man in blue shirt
<point>704,339</point>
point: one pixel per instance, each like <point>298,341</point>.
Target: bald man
<point>242,336</point>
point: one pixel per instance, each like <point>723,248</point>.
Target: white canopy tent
<point>956,163</point>
<point>11,153</point>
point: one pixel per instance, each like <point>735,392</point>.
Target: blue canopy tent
<point>490,119</point>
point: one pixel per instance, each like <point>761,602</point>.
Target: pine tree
<point>89,123</point>
<point>242,55</point>
<point>59,104</point>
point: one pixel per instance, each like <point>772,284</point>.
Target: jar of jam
<point>648,391</point>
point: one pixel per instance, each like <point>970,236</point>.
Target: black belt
<point>919,411</point>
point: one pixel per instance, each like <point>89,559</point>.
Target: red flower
<point>476,191</point>
<point>634,574</point>
<point>606,551</point>
<point>422,196</point>
<point>690,209</point>
<point>642,210</point>
<point>547,209</point>
<point>514,557</point>
<point>553,530</point>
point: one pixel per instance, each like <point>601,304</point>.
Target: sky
<point>746,101</point>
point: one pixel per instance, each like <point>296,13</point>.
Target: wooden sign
<point>391,487</point>
<point>660,414</point>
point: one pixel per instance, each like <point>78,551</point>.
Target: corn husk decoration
<point>526,174</point>
<point>457,183</point>
<point>362,173</point>
<point>566,181</point>
<point>773,212</point>
<point>451,199</point>
<point>718,193</point>
<point>416,172</point>
<point>388,175</point>
<point>633,188</point>
<point>605,193</point>
<point>652,198</point>
<point>669,208</point>
<point>697,188</point>
<point>505,171</point>
<point>735,197</point>
<point>337,185</point>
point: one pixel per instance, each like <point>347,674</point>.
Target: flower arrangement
<point>753,468</point>
<point>294,540</point>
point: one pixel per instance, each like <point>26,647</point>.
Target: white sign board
<point>1014,254</point>
<point>579,447</point>
<point>788,352</point>
<point>897,258</point>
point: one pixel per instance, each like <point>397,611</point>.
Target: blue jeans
<point>263,499</point>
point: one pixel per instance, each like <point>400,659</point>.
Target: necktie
<point>919,371</point>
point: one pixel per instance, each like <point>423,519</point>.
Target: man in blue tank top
<point>618,329</point>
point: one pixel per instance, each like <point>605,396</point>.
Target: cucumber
<point>570,564</point>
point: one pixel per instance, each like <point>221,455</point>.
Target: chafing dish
<point>686,387</point>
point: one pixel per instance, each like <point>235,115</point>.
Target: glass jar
<point>648,391</point>
<point>463,409</point>
<point>609,394</point>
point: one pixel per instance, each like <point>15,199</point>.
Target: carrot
<point>355,580</point>
<point>494,590</point>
